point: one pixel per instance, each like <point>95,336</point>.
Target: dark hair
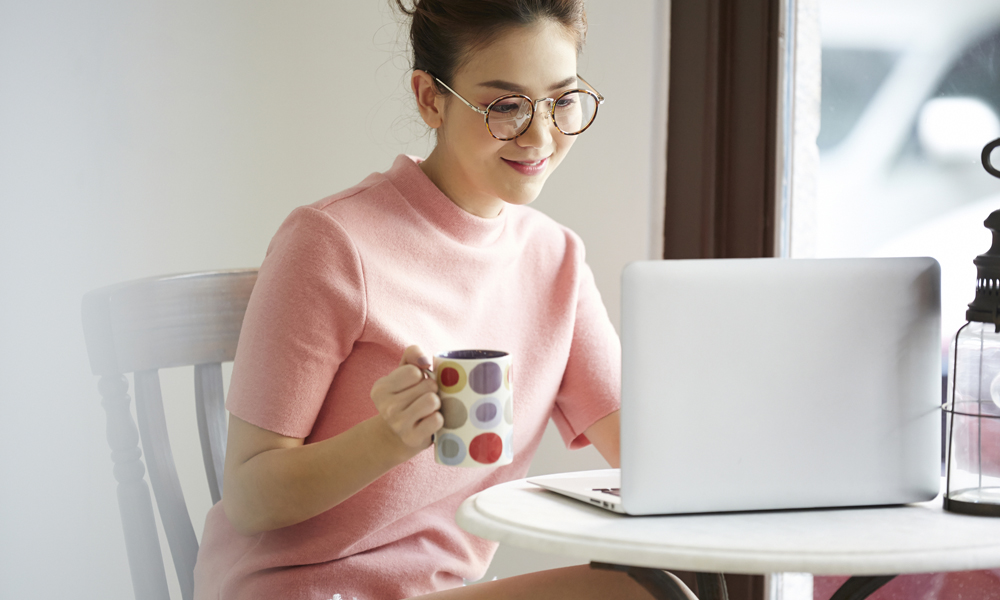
<point>444,33</point>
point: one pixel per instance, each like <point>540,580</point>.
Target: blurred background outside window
<point>910,95</point>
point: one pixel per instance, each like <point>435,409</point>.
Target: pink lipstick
<point>529,167</point>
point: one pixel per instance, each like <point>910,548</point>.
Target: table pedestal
<point>712,586</point>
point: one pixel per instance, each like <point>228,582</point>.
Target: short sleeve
<point>305,313</point>
<point>591,384</point>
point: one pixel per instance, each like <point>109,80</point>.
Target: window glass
<point>850,78</point>
<point>910,96</point>
<point>976,72</point>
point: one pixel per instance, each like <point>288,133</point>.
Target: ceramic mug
<point>478,408</point>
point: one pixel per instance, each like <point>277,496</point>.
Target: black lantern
<point>973,404</point>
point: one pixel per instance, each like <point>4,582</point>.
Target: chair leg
<point>858,588</point>
<point>655,581</point>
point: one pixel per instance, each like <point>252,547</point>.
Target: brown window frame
<point>722,145</point>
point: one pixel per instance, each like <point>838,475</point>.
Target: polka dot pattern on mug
<point>451,377</point>
<point>486,413</point>
<point>475,391</point>
<point>454,412</point>
<point>485,378</point>
<point>486,448</point>
<point>450,449</point>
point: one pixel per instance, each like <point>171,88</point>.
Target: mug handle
<point>986,158</point>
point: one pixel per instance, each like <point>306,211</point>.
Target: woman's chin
<point>523,194</point>
<point>520,199</point>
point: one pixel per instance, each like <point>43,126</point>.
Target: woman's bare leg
<point>569,583</point>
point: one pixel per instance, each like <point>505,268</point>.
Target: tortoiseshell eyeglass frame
<point>534,107</point>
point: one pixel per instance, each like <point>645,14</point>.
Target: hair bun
<point>443,32</point>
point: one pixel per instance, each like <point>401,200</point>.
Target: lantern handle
<point>987,164</point>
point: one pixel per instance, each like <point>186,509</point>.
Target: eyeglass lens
<point>510,117</point>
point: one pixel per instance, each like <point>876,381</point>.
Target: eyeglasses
<point>509,116</point>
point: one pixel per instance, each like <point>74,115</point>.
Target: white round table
<point>914,538</point>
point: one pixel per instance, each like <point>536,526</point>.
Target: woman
<point>331,489</point>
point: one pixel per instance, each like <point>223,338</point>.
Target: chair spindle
<point>211,406</point>
<point>141,540</point>
<point>163,474</point>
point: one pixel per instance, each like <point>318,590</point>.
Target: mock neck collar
<point>425,197</point>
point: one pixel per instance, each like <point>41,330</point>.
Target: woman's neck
<point>451,183</point>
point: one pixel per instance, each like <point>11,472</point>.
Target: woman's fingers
<point>423,406</point>
<point>414,355</point>
<point>428,426</point>
<point>408,406</point>
<point>415,423</point>
<point>395,405</point>
<point>422,419</point>
<point>407,399</point>
<point>403,378</point>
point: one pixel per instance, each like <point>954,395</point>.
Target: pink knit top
<point>347,284</point>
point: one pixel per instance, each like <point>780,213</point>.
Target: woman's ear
<point>429,101</point>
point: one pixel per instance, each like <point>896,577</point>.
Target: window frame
<point>725,162</point>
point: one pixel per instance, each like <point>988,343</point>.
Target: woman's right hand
<point>274,481</point>
<point>408,402</point>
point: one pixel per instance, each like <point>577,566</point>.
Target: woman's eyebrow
<point>500,84</point>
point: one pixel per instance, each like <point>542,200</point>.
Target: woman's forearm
<point>287,485</point>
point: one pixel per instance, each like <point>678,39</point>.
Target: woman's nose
<point>540,132</point>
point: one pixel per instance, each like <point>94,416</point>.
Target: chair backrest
<point>141,327</point>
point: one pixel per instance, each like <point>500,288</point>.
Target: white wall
<point>141,138</point>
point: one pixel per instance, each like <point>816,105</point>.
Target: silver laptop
<point>757,384</point>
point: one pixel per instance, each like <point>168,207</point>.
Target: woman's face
<point>479,172</point>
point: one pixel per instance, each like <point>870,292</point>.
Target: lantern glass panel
<point>973,397</point>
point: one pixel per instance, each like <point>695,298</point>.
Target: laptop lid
<point>752,384</point>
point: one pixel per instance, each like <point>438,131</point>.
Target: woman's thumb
<point>414,355</point>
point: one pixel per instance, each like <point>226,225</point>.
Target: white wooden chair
<point>140,327</point>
